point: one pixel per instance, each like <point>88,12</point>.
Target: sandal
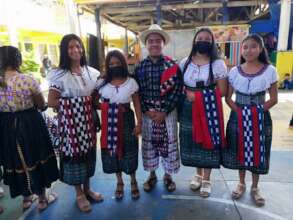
<point>27,202</point>
<point>83,204</point>
<point>150,183</point>
<point>258,199</point>
<point>45,202</point>
<point>119,193</point>
<point>169,183</point>
<point>239,191</point>
<point>134,190</point>
<point>94,196</point>
<point>195,183</point>
<point>1,192</point>
<point>205,189</point>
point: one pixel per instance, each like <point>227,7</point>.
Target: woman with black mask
<point>201,119</point>
<point>119,142</point>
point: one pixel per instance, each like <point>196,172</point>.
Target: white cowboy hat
<point>154,29</point>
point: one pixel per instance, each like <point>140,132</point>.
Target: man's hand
<point>150,114</point>
<point>159,117</point>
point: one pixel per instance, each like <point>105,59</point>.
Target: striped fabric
<point>168,77</point>
<point>112,125</point>
<point>255,99</point>
<point>52,125</point>
<point>251,136</point>
<point>129,162</point>
<point>207,119</point>
<point>160,139</point>
<point>235,53</point>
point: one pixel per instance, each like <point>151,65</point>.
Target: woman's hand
<point>150,114</point>
<point>190,96</point>
<point>159,117</point>
<point>137,130</point>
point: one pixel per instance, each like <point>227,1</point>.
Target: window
<point>28,47</point>
<point>53,54</point>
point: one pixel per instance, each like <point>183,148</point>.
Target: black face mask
<point>202,47</point>
<point>117,72</point>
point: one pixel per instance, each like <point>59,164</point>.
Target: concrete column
<point>101,55</point>
<point>71,12</point>
<point>9,18</point>
<point>284,25</point>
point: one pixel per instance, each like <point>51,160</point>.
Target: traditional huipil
<point>249,130</point>
<point>26,151</point>
<point>201,122</point>
<point>76,128</point>
<point>160,89</point>
<point>119,146</point>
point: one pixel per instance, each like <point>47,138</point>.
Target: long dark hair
<point>213,54</point>
<point>263,56</point>
<point>117,54</point>
<point>10,57</point>
<point>65,60</point>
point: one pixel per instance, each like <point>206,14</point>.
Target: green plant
<point>28,63</point>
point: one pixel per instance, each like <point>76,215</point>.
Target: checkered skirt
<point>193,154</point>
<point>76,127</point>
<point>77,171</point>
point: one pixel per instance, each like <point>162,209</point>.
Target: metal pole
<point>126,42</point>
<point>225,11</point>
<point>158,13</point>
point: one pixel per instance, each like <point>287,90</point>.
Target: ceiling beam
<point>109,18</point>
<point>133,18</point>
<point>100,2</point>
<point>191,25</point>
<point>178,6</point>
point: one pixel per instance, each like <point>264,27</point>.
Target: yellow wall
<point>3,35</point>
<point>284,63</point>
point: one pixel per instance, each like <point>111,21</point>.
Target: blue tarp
<point>272,24</point>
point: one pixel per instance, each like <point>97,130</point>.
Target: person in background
<point>285,84</point>
<point>46,66</point>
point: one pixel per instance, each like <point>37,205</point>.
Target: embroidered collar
<point>261,71</point>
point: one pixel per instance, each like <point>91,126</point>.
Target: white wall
<point>179,46</point>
